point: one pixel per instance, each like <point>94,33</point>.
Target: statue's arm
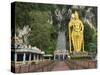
<point>82,26</point>
<point>69,26</point>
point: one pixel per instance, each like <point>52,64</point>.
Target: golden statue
<point>76,29</point>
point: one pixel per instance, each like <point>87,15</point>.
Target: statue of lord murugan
<point>76,38</point>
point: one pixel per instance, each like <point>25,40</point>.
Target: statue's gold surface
<point>76,29</point>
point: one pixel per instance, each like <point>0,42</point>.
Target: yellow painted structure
<point>76,28</point>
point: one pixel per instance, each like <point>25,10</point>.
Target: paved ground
<point>60,66</point>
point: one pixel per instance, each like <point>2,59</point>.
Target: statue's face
<point>72,17</point>
<point>76,17</point>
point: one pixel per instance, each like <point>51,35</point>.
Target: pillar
<point>54,57</point>
<point>30,57</point>
<point>24,58</point>
<point>63,57</point>
<point>15,57</point>
<point>58,57</point>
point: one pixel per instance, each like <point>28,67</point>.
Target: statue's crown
<point>76,14</point>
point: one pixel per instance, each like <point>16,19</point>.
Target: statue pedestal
<point>79,55</point>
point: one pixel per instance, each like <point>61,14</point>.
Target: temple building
<point>60,55</point>
<point>26,55</point>
<point>23,54</point>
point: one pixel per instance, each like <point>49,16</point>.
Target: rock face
<point>60,16</point>
<point>60,52</point>
<point>61,42</point>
